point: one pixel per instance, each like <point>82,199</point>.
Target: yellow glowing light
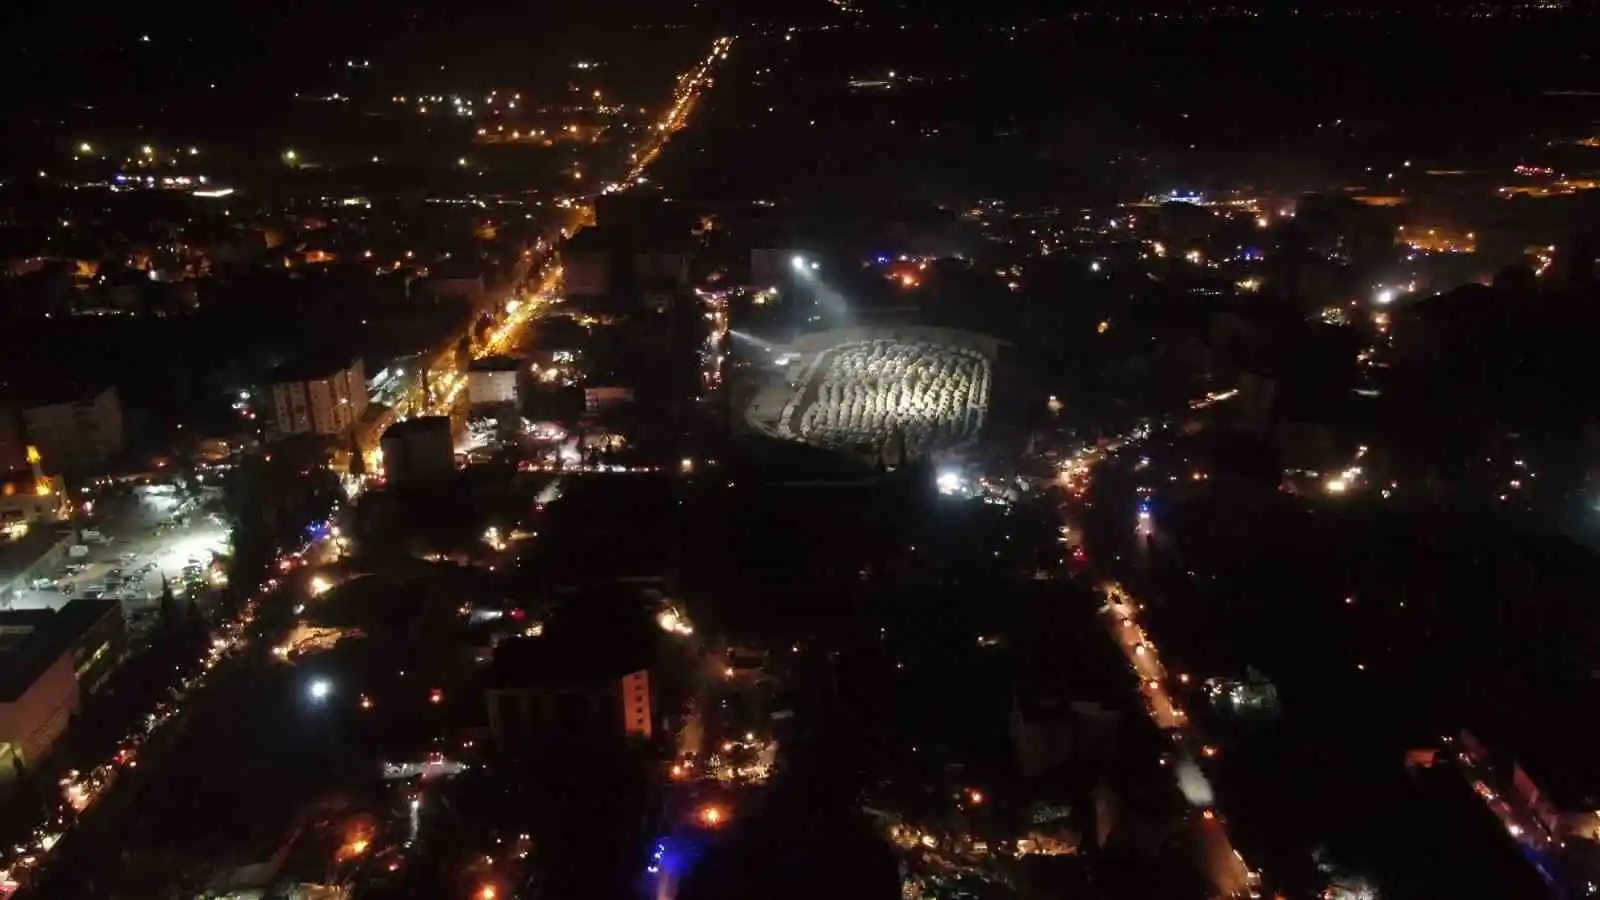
<point>712,815</point>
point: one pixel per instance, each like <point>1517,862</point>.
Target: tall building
<point>84,432</point>
<point>586,263</point>
<point>577,690</point>
<point>13,443</point>
<point>419,450</point>
<point>319,400</point>
<point>48,662</point>
<point>493,381</point>
<point>625,265</point>
<point>28,496</point>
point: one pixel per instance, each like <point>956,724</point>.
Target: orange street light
<point>712,816</point>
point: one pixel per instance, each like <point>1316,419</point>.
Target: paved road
<point>1219,861</point>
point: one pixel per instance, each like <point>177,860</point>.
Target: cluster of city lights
<point>81,789</point>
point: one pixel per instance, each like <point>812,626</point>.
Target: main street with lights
<point>287,718</point>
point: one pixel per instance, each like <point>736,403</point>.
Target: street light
<point>320,689</point>
<point>712,816</point>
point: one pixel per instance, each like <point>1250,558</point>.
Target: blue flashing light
<point>672,856</point>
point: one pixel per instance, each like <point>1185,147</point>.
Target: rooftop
<point>50,387</point>
<point>17,555</point>
<point>1546,736</point>
<point>419,424</point>
<point>31,640</point>
<point>597,635</point>
<point>545,663</point>
<point>495,364</point>
<point>311,368</point>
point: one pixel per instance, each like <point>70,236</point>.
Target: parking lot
<point>136,538</point>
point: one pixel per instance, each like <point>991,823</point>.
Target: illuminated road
<point>522,310</point>
<point>1220,863</point>
<point>1223,865</point>
<point>688,91</point>
<point>247,705</point>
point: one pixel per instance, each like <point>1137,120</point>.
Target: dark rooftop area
<point>311,368</point>
<point>19,554</point>
<point>544,662</point>
<point>418,424</point>
<point>1547,736</point>
<point>496,364</point>
<point>31,640</point>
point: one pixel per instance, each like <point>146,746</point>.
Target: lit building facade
<point>76,435</point>
<point>328,403</point>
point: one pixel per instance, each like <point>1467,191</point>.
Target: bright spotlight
<point>799,262</point>
<point>815,266</point>
<point>320,689</point>
<point>950,482</point>
<point>1385,297</point>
